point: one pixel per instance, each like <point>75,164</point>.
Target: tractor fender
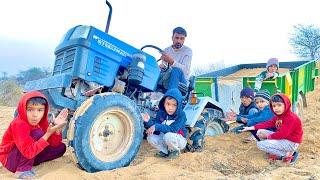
<point>193,111</point>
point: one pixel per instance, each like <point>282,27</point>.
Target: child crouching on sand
<point>29,139</point>
<point>265,113</point>
<point>167,132</point>
<point>283,143</point>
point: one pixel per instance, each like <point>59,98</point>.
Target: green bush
<point>10,92</point>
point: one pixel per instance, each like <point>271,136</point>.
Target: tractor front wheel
<point>214,124</point>
<point>106,132</point>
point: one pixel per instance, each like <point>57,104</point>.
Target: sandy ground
<point>224,157</point>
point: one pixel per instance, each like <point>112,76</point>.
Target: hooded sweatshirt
<point>164,122</point>
<point>288,125</point>
<point>18,132</point>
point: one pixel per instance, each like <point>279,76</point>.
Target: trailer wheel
<point>107,132</point>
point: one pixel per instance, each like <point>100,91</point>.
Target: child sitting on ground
<point>247,107</point>
<point>283,143</point>
<point>29,139</point>
<point>271,72</point>
<point>262,101</point>
<point>167,132</point>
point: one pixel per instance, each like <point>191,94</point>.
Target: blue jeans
<point>171,78</point>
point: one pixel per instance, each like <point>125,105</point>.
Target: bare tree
<point>306,41</point>
<point>10,92</point>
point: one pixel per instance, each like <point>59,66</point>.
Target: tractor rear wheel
<point>106,132</point>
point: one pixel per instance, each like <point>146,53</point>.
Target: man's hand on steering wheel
<point>164,57</point>
<point>167,58</point>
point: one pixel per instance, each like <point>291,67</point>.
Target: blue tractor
<point>106,83</point>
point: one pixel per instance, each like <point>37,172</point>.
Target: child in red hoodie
<point>283,143</point>
<point>29,139</point>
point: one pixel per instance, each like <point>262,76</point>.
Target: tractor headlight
<point>80,32</point>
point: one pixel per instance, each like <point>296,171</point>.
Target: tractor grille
<point>64,62</point>
<point>100,67</point>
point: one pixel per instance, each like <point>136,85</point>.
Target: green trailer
<point>295,83</point>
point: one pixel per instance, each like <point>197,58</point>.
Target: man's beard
<point>177,45</point>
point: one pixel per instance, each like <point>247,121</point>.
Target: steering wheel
<point>160,51</point>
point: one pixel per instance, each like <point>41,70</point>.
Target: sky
<point>228,31</point>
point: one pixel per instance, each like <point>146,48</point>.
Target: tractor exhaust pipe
<point>109,17</point>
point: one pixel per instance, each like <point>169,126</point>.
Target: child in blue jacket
<point>247,107</point>
<point>167,132</point>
